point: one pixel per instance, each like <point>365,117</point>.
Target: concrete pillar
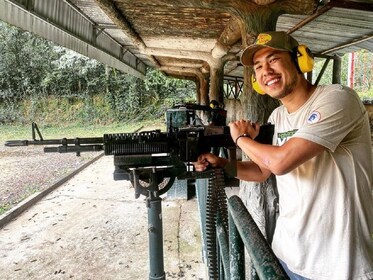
<point>337,66</point>
<point>216,81</point>
<point>204,91</point>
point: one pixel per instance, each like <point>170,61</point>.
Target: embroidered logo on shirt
<point>314,117</point>
<point>282,137</point>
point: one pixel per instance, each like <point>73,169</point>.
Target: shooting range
<point>206,214</point>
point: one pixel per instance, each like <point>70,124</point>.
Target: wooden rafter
<point>348,44</point>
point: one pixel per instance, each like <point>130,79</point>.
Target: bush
<point>9,113</point>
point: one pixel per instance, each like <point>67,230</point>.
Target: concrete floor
<point>92,227</point>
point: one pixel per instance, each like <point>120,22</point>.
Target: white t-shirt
<point>325,225</point>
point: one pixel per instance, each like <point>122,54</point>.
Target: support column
<point>204,91</point>
<point>216,81</point>
<point>203,94</point>
<point>337,66</point>
<point>351,70</point>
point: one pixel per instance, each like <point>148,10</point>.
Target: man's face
<point>275,72</point>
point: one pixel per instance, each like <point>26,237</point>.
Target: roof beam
<point>348,44</point>
<point>309,19</point>
<point>117,17</point>
<point>183,71</point>
<point>189,54</point>
<point>178,63</point>
<point>332,4</point>
<point>106,26</point>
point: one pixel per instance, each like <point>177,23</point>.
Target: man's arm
<point>280,160</point>
<point>246,170</point>
<point>265,159</point>
<point>250,171</point>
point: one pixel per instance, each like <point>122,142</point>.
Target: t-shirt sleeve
<point>272,120</point>
<point>332,117</point>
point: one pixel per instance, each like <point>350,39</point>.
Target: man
<point>321,156</point>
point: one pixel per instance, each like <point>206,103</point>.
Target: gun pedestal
<point>155,227</point>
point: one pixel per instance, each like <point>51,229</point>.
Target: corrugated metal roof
<point>336,27</point>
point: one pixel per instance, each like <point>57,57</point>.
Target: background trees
<point>42,81</point>
<point>361,72</point>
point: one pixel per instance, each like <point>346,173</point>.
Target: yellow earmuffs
<point>305,62</point>
<point>304,59</point>
<point>256,85</point>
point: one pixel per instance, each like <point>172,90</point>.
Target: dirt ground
<point>25,170</point>
<point>92,227</point>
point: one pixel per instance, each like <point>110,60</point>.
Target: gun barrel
<point>74,149</point>
<point>16,143</point>
<point>62,141</point>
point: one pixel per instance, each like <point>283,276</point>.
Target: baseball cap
<point>278,40</point>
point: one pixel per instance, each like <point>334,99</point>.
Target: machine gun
<point>152,160</point>
<point>172,151</point>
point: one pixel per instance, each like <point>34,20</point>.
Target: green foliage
<point>21,67</point>
<point>9,112</point>
<point>43,82</point>
<point>168,91</point>
<point>132,98</point>
<point>74,75</point>
<point>363,74</point>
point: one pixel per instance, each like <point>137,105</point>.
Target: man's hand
<point>209,159</point>
<point>240,127</point>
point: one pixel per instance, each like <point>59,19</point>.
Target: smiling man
<point>322,158</point>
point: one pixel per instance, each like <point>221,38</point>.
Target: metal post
<point>155,239</point>
<point>337,65</point>
<point>155,229</point>
<point>223,245</point>
<point>266,263</point>
<point>322,71</point>
<point>236,252</point>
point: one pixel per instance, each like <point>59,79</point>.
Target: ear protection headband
<point>304,62</point>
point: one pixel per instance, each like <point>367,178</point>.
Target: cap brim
<point>248,53</point>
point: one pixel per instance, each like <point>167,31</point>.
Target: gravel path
<point>25,170</point>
